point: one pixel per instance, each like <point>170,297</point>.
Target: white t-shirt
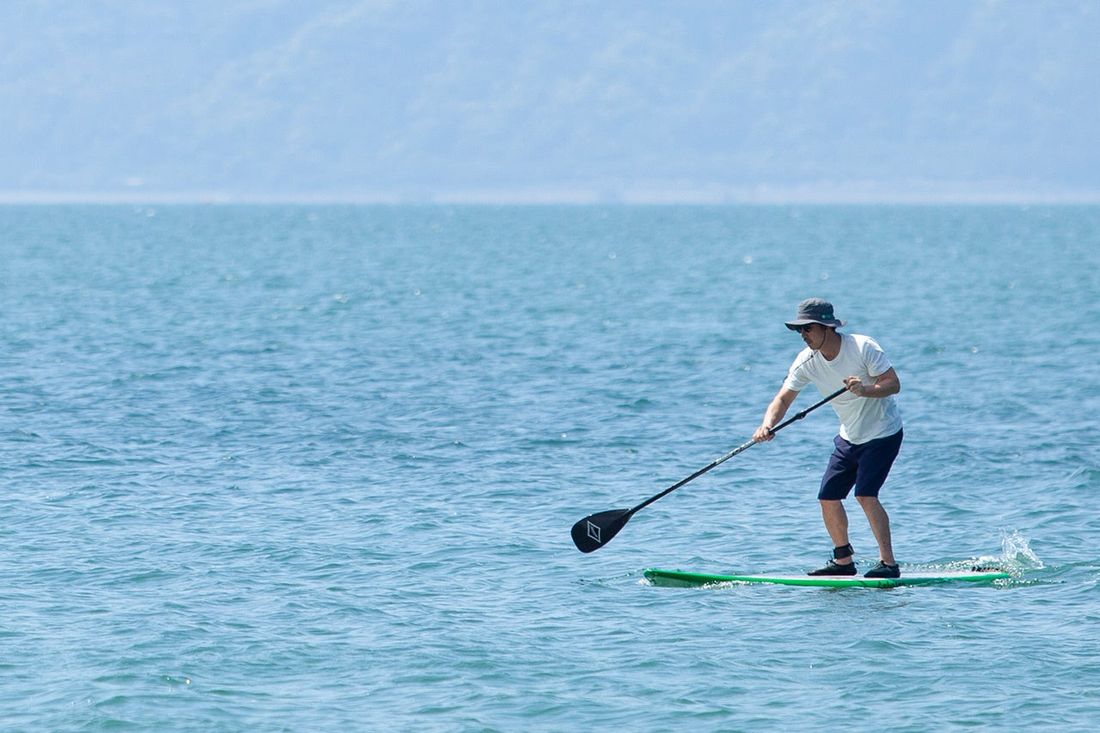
<point>861,418</point>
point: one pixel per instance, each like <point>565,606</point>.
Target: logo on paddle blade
<point>593,532</point>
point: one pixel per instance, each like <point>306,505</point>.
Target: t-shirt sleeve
<point>797,378</point>
<point>875,359</point>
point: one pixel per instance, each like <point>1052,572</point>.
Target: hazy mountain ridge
<point>428,98</point>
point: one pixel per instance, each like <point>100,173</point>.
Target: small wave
<point>639,405</point>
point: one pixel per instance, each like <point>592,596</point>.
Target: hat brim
<point>796,324</point>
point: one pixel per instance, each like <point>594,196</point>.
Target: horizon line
<point>760,195</point>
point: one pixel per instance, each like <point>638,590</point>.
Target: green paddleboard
<point>680,579</point>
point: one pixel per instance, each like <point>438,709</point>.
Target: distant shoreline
<point>839,196</point>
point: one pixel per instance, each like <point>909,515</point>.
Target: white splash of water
<point>1016,554</point>
<point>1016,550</point>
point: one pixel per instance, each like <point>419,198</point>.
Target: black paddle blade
<point>596,530</point>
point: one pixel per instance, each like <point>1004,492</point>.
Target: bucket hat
<point>814,310</point>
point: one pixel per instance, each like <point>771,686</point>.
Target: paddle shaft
<point>596,530</point>
<point>735,451</point>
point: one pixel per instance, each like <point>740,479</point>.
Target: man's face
<point>813,334</point>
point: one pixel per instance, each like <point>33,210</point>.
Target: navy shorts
<point>864,466</point>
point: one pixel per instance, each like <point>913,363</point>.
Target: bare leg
<point>880,526</point>
<point>836,522</point>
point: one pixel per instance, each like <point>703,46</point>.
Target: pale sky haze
<point>500,101</point>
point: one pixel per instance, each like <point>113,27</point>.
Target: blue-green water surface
<point>314,468</point>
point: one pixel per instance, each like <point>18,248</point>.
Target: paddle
<point>596,530</point>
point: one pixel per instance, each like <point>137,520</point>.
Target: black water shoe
<point>882,570</point>
<point>835,568</point>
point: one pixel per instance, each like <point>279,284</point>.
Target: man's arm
<point>884,385</point>
<point>775,412</point>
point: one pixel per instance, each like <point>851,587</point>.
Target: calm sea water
<point>314,468</point>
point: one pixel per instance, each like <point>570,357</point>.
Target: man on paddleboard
<point>870,427</point>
